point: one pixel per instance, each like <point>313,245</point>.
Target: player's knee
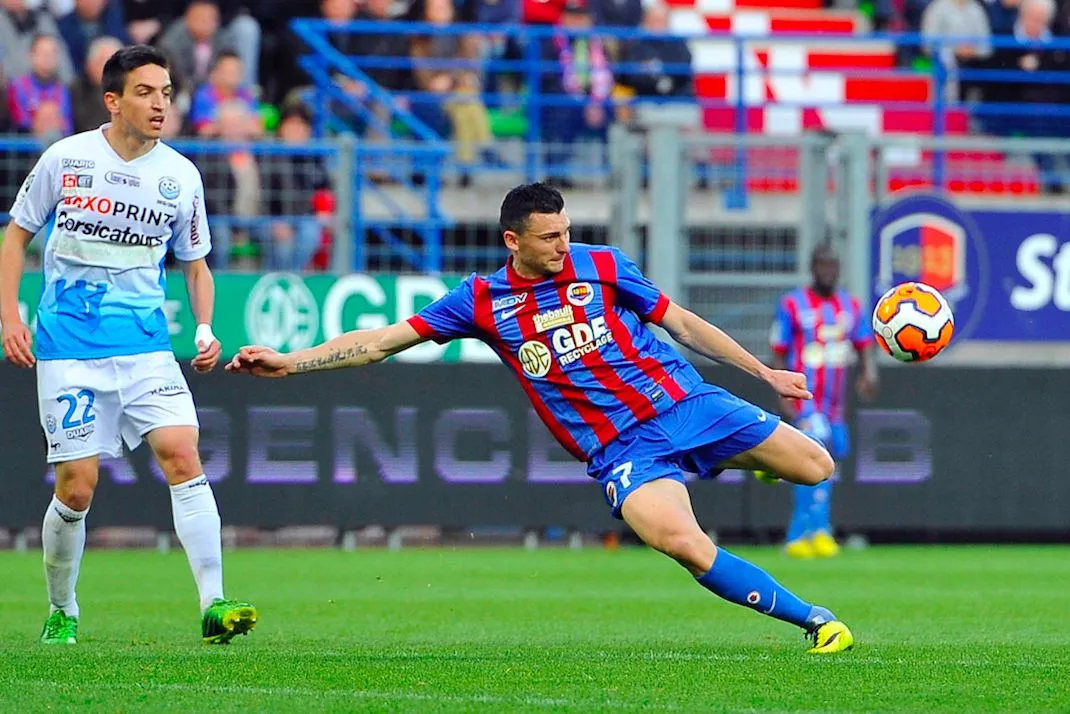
<point>180,461</point>
<point>75,488</point>
<point>692,549</point>
<point>819,466</point>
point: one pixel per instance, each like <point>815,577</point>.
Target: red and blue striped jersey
<point>818,337</point>
<point>577,342</point>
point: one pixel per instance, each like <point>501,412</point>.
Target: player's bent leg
<point>198,526</point>
<point>789,454</point>
<point>63,543</point>
<point>660,513</point>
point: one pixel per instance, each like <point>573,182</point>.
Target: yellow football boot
<point>830,638</point>
<point>801,549</point>
<point>824,545</point>
<point>766,476</point>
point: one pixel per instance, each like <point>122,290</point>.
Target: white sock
<point>197,525</point>
<point>63,540</point>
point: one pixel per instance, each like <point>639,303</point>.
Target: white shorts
<point>90,406</point>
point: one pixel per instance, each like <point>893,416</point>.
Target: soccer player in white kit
<point>117,199</point>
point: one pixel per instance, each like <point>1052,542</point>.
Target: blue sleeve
<point>637,292</point>
<point>450,317</point>
<point>780,335</point>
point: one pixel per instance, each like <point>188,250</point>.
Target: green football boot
<point>224,619</point>
<point>60,629</point>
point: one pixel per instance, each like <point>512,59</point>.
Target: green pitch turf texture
<point>965,629</point>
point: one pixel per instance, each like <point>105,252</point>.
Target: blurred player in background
<point>569,321</point>
<point>816,331</point>
<point>114,200</point>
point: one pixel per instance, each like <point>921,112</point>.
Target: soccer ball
<point>913,322</point>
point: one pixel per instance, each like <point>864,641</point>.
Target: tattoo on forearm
<point>334,358</point>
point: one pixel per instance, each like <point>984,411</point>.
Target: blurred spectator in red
<point>542,12</point>
<point>291,184</point>
<point>18,27</point>
<point>89,20</point>
<point>42,84</point>
<point>224,85</point>
<point>86,94</point>
<point>193,42</point>
<point>578,91</point>
<point>457,87</point>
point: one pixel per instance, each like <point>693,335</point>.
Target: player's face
<point>543,246</point>
<point>145,102</point>
<point>826,272</point>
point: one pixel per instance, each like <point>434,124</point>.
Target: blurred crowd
<point>237,79</point>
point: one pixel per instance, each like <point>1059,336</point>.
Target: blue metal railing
<point>417,166</point>
<point>533,67</point>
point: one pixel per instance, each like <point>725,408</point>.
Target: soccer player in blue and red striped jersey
<point>570,322</point>
<point>816,331</point>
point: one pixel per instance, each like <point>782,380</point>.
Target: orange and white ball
<point>913,322</point>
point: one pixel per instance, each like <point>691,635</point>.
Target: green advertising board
<point>289,312</point>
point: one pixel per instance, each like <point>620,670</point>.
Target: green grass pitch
<point>963,630</point>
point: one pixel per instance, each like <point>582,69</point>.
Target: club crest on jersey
<point>169,188</point>
<point>535,359</point>
<point>554,318</point>
<point>580,294</point>
<point>508,301</point>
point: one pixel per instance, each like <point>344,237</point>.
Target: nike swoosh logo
<point>506,314</point>
<point>761,416</point>
<point>771,607</point>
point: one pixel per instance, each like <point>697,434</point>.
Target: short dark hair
<point>125,61</point>
<point>225,54</point>
<point>823,251</point>
<point>525,200</point>
<point>296,110</point>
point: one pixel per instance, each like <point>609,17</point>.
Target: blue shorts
<point>834,435</point>
<point>697,435</point>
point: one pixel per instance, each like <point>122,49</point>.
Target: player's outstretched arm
<point>16,339</point>
<point>353,349</point>
<point>693,332</point>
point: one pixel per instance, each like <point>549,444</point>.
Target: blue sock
<point>746,584</point>
<point>800,526</point>
<point>820,501</point>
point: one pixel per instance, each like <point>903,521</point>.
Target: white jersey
<point>112,222</point>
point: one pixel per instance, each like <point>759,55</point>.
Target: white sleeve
<point>192,239</point>
<point>39,195</point>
